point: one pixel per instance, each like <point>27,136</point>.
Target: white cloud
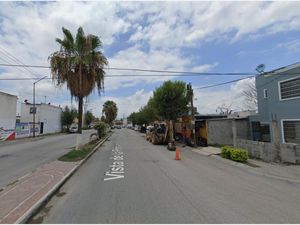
<point>209,99</point>
<point>126,104</point>
<point>184,24</point>
<point>28,31</point>
<point>156,59</point>
<point>292,46</point>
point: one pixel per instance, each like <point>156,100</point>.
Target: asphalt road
<point>155,188</point>
<point>23,156</point>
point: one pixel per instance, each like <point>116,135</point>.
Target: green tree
<point>170,100</point>
<point>133,118</point>
<point>89,118</point>
<point>79,63</point>
<point>67,116</point>
<point>103,119</point>
<point>110,110</point>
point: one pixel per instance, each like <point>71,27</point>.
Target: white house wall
<point>8,109</point>
<point>51,117</point>
<point>48,114</point>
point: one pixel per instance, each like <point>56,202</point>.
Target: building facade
<point>8,111</point>
<point>48,117</point>
<point>278,96</point>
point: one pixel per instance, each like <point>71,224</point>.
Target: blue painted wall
<point>272,107</point>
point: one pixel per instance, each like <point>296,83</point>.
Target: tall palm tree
<point>80,64</point>
<point>110,111</point>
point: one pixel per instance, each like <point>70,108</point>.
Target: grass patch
<point>76,155</point>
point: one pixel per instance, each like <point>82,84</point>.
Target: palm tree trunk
<point>80,104</point>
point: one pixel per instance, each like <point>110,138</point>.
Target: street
<point>23,156</point>
<point>129,180</point>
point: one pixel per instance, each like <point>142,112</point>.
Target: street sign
<point>32,110</point>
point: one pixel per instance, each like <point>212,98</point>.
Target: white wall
<point>51,117</point>
<point>8,110</point>
<point>48,114</point>
<point>26,117</point>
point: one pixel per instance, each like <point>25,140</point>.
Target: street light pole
<point>34,109</point>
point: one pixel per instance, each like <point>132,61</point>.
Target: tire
<point>154,140</point>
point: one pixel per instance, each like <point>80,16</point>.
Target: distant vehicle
<point>112,127</point>
<point>129,126</point>
<point>73,129</point>
<point>118,126</point>
<point>149,133</point>
<point>137,128</point>
<point>143,129</point>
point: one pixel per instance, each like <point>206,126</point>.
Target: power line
<point>5,60</point>
<point>127,75</point>
<point>180,72</point>
<point>14,59</point>
<point>228,82</point>
<point>144,70</point>
<point>112,76</point>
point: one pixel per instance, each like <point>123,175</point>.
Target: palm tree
<point>80,64</point>
<point>110,111</point>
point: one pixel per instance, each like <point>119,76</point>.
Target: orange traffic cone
<point>177,154</point>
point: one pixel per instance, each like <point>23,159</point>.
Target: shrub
<point>239,155</point>
<point>225,153</point>
<point>235,154</point>
<point>101,128</point>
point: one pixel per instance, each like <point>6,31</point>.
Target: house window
<point>290,89</point>
<point>265,93</point>
<point>261,132</point>
<point>291,131</point>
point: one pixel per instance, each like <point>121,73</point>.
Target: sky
<point>181,36</point>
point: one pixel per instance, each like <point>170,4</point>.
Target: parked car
<point>143,129</point>
<point>73,129</point>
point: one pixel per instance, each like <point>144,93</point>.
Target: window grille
<point>290,88</point>
<point>291,131</point>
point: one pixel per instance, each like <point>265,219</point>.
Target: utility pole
<point>191,95</point>
<point>34,108</point>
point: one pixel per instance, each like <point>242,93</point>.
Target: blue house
<point>278,96</point>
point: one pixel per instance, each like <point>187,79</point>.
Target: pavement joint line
<point>247,167</point>
<point>250,169</point>
<point>15,188</point>
<point>33,209</point>
<point>26,198</point>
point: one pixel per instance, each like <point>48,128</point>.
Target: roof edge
<point>282,69</point>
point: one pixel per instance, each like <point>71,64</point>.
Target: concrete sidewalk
<point>19,198</point>
<point>274,170</point>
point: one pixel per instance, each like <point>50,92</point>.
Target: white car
<point>73,129</point>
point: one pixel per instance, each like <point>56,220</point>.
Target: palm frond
<point>68,35</point>
<point>80,41</point>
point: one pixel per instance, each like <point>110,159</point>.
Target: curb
<point>250,169</point>
<point>36,207</point>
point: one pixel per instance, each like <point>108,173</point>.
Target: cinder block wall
<point>219,132</point>
<point>289,153</point>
